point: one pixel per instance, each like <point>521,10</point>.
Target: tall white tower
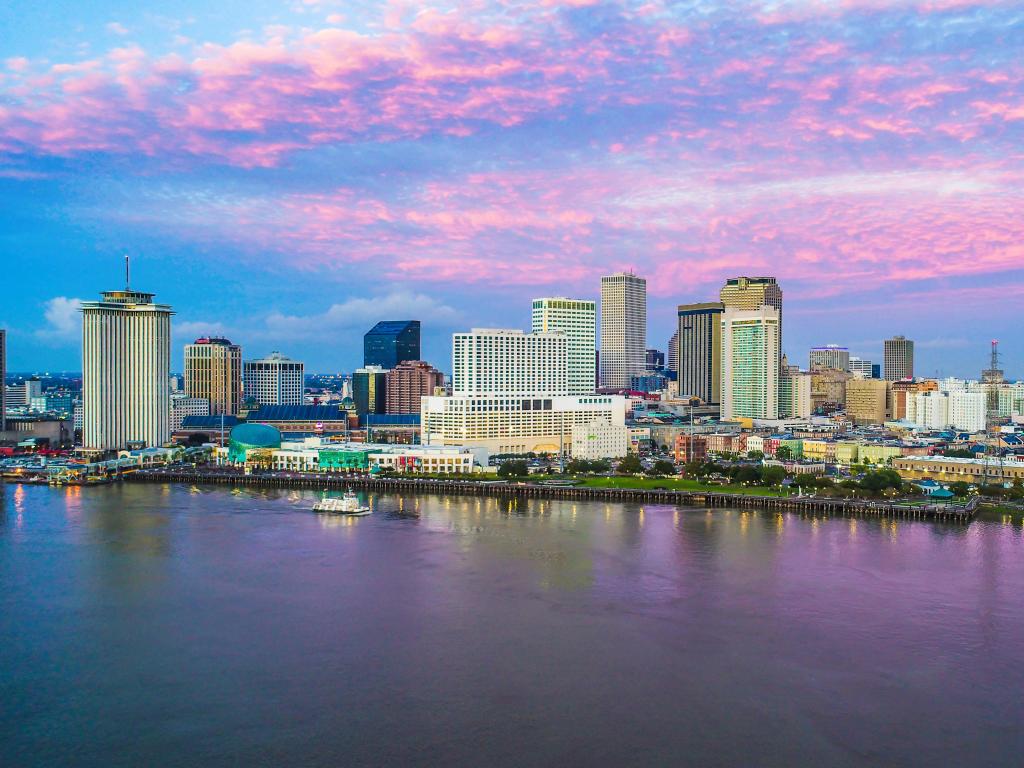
<point>126,361</point>
<point>623,328</point>
<point>577,319</point>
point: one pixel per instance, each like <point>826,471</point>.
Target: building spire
<point>127,273</point>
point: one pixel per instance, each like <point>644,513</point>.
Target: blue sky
<point>289,173</point>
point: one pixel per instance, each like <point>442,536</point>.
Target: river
<point>149,625</point>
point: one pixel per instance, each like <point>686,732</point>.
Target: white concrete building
<point>577,319</point>
<point>623,328</point>
<point>275,380</point>
<point>182,406</point>
<point>795,400</point>
<point>502,423</point>
<point>829,356</point>
<point>488,361</point>
<point>967,410</point>
<point>861,368</point>
<point>750,367</point>
<point>600,440</point>
<point>929,410</point>
<point>126,361</point>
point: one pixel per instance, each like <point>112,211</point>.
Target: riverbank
<point>953,513</point>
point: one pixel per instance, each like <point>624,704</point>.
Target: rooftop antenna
<point>127,273</point>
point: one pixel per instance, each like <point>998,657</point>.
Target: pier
<point>952,513</point>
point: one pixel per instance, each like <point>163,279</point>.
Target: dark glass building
<point>391,342</point>
<point>369,390</point>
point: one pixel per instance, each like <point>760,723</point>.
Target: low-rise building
<point>984,471</point>
<point>599,440</point>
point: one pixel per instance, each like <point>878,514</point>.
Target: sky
<point>288,173</point>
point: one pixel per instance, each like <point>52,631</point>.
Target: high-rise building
<point>672,354</point>
<point>409,381</point>
<point>901,393</point>
<point>577,319</point>
<point>275,380</point>
<point>391,342</point>
<point>867,400</point>
<point>213,372</point>
<point>623,328</point>
<point>830,356</point>
<point>899,358</point>
<point>126,362</point>
<point>699,344</point>
<point>795,400</point>
<point>751,293</point>
<point>863,369</point>
<point>369,389</point>
<point>3,380</point>
<point>508,361</point>
<point>654,360</point>
<point>967,410</point>
<point>750,363</point>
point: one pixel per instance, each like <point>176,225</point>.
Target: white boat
<point>346,505</point>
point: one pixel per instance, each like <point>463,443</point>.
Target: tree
<point>772,475</point>
<point>630,465</point>
<point>784,453</point>
<point>805,481</point>
<point>755,455</point>
<point>748,475</point>
<point>662,467</point>
<point>958,453</point>
<point>515,468</point>
<point>960,488</point>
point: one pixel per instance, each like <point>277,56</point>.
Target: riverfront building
<point>126,360</point>
<point>275,380</point>
<point>492,361</point>
<point>369,390</point>
<point>750,363</point>
<point>623,328</point>
<point>577,319</point>
<point>213,372</point>
<point>391,342</point>
<point>699,351</point>
<point>504,423</point>
<point>899,358</point>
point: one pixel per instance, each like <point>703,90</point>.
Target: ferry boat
<point>346,505</point>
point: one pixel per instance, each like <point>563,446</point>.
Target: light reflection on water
<point>241,628</point>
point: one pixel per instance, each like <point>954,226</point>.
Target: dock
<point>946,513</point>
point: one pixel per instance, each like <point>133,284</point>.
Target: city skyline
<point>865,155</point>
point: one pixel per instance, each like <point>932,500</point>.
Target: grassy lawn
<point>677,484</point>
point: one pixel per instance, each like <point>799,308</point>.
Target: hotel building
<point>577,319</point>
<point>213,372</point>
<point>750,363</point>
<point>275,380</point>
<point>699,351</point>
<point>899,358</point>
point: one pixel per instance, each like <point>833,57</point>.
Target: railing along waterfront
<point>955,513</point>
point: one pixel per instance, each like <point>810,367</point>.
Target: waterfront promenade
<point>951,513</point>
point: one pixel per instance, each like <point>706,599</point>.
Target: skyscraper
<point>750,293</point>
<point>391,342</point>
<point>577,318</point>
<point>899,358</point>
<point>126,362</point>
<point>623,328</point>
<point>699,347</point>
<point>407,382</point>
<point>750,363</point>
<point>275,380</point>
<point>3,380</point>
<point>213,371</point>
<point>369,389</point>
<point>861,368</point>
<point>672,354</point>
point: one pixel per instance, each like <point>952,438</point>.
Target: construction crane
<point>992,379</point>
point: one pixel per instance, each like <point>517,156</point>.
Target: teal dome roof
<point>256,436</point>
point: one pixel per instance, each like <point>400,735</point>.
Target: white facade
<point>750,369</point>
<point>623,329</point>
<point>126,360</point>
<point>275,380</point>
<point>795,400</point>
<point>577,319</point>
<point>505,361</point>
<point>929,410</point>
<point>967,410</point>
<point>600,440</point>
<point>510,424</point>
<point>861,368</point>
<point>182,406</point>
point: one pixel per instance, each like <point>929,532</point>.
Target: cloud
<point>64,323</point>
<point>359,315</point>
<point>190,330</point>
<point>117,28</point>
